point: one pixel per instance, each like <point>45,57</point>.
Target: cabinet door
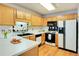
<point>32,37</point>
<point>44,22</point>
<point>0,15</point>
<point>7,15</point>
<point>19,14</point>
<point>56,39</point>
<point>34,20</point>
<point>27,37</point>
<point>39,21</point>
<point>43,38</point>
<point>28,15</point>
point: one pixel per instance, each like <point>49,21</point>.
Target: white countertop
<point>9,49</point>
<point>32,32</point>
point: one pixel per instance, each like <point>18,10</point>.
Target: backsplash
<point>9,29</point>
<point>5,28</point>
<point>38,29</point>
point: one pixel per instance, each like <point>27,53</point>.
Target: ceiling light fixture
<point>48,6</point>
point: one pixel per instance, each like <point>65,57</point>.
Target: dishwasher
<point>38,38</point>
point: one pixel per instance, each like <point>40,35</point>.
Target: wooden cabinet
<point>7,15</point>
<point>44,22</point>
<point>63,17</point>
<point>43,38</point>
<point>28,16</point>
<point>56,39</point>
<point>36,20</point>
<point>20,14</point>
<point>27,37</point>
<point>23,16</point>
<point>31,37</point>
<point>33,52</point>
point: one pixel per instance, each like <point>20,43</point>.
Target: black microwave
<point>52,23</point>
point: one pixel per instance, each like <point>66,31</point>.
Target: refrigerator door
<point>70,35</point>
<point>60,23</point>
<point>60,40</point>
<point>78,35</point>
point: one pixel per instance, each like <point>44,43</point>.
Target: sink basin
<point>25,34</point>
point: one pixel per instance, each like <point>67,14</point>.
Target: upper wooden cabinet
<point>20,14</point>
<point>23,16</point>
<point>7,15</point>
<point>63,17</point>
<point>28,16</point>
<point>32,37</point>
<point>44,22</point>
<point>36,20</point>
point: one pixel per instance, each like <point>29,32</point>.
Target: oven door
<point>50,37</point>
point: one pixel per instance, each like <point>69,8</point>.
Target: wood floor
<point>47,50</point>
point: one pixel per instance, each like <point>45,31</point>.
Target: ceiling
<point>37,7</point>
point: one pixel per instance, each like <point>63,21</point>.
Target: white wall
<point>38,29</point>
<point>61,13</point>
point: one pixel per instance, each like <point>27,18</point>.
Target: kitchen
<point>26,32</point>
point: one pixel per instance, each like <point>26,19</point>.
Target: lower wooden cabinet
<point>31,37</point>
<point>56,39</point>
<point>33,52</point>
<point>43,38</point>
<point>27,37</point>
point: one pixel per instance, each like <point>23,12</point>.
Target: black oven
<point>50,37</point>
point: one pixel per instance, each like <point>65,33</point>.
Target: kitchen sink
<point>25,34</point>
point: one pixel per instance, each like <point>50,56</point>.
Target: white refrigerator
<point>70,35</point>
<point>60,35</point>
